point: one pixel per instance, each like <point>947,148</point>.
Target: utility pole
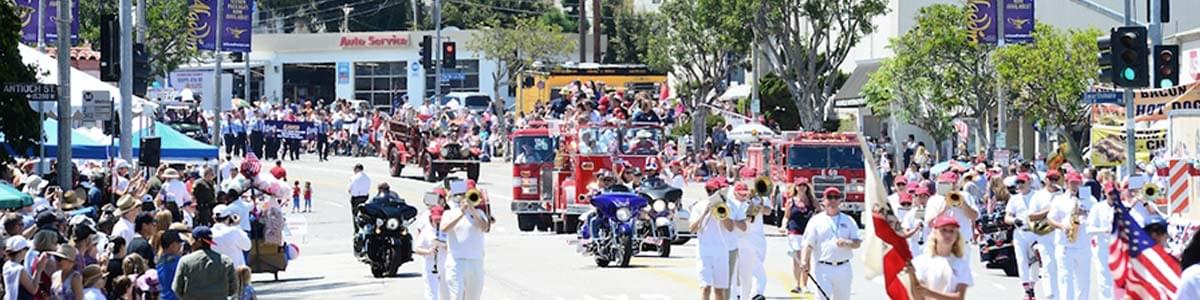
<point>41,47</point>
<point>126,82</point>
<point>596,22</point>
<point>1130,150</point>
<point>64,93</point>
<point>219,30</point>
<point>437,80</point>
<point>246,59</point>
<point>140,18</point>
<point>346,9</point>
<point>582,12</point>
<point>1001,138</point>
<point>415,19</point>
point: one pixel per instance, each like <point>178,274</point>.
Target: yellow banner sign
<point>1151,105</point>
<point>1108,144</point>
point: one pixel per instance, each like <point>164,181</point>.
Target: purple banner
<point>982,25</point>
<point>27,11</point>
<point>1018,21</point>
<point>235,36</point>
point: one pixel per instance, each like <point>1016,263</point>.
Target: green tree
<point>896,90</point>
<point>1047,78</point>
<point>474,14</point>
<point>696,39</point>
<point>164,27</point>
<point>777,102</point>
<point>19,124</point>
<point>805,41</point>
<point>937,67</point>
<point>517,49</point>
<point>627,33</point>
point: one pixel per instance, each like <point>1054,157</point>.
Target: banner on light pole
<point>236,22</point>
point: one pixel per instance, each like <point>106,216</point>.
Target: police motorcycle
<point>383,240</point>
<point>996,241</point>
<point>657,228</point>
<point>611,230</point>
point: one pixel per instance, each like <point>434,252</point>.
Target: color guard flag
<point>885,251</point>
<point>1139,264</point>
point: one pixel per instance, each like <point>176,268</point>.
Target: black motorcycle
<point>659,229</point>
<point>383,240</point>
<point>996,242</point>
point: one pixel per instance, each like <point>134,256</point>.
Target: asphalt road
<point>518,265</point>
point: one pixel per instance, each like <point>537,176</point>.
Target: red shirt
<point>279,172</point>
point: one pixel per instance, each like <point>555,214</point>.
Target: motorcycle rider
<point>1015,213</point>
<point>1074,260</point>
<point>465,226</point>
<point>1039,208</point>
<point>714,239</point>
<point>431,244</point>
<point>830,239</point>
<point>752,244</point>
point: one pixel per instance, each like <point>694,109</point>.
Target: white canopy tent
<point>47,72</point>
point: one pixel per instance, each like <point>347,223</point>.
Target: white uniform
<point>894,201</point>
<point>916,242</point>
<point>1074,258</point>
<point>713,248</point>
<point>935,205</point>
<point>436,286</point>
<point>466,243</point>
<point>1018,207</point>
<point>942,273</point>
<point>1042,200</point>
<point>832,270</point>
<point>1189,285</point>
<point>1099,228</point>
<point>752,249</point>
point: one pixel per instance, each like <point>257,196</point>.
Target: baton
<point>814,281</point>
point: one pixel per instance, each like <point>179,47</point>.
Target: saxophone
<point>1076,215</point>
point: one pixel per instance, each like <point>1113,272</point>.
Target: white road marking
<point>999,286</point>
<point>334,204</point>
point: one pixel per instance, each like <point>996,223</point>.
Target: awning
<point>850,95</point>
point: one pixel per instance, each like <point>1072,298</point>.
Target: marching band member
<point>1099,227</point>
<point>800,207</point>
<point>1039,208</point>
<point>833,236</point>
<point>913,224</point>
<point>465,226</point>
<point>963,209</point>
<point>1135,200</point>
<point>900,190</point>
<point>431,244</point>
<point>942,272</point>
<point>752,246</point>
<point>1071,248</point>
<point>1016,213</point>
<point>713,245</point>
<point>737,214</point>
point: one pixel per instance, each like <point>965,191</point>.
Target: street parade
<point>576,149</point>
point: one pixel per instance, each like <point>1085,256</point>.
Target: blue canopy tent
<point>82,146</point>
<point>175,145</point>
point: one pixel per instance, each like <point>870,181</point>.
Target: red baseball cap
<point>802,180</point>
<point>833,192</point>
<point>748,172</point>
<point>440,191</point>
<point>741,187</point>
<point>912,190</point>
<point>948,177</point>
<point>713,185</point>
<point>1023,177</point>
<point>1053,175</point>
<point>1109,187</point>
<point>905,198</point>
<point>900,180</point>
<point>1074,177</point>
<point>944,220</point>
<point>470,184</point>
<point>922,191</point>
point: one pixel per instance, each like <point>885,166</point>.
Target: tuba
<point>474,197</point>
<point>763,186</point>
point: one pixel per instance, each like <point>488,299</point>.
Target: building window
<point>380,82</point>
<point>469,83</point>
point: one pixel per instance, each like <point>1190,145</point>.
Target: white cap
<point>16,244</point>
<point>221,211</point>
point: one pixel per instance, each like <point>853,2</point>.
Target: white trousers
<point>1049,266</point>
<point>436,285</point>
<point>834,280</point>
<point>1075,273</point>
<point>1100,253</point>
<point>750,269</point>
<point>1022,252</point>
<point>466,279</point>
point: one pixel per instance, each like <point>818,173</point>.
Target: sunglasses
<point>1020,182</point>
<point>905,204</point>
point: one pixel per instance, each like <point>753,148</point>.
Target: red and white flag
<point>1140,266</point>
<point>885,250</point>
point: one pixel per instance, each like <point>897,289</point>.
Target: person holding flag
<point>1140,265</point>
<point>942,272</point>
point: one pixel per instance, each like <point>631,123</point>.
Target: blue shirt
<point>167,264</point>
<point>237,126</point>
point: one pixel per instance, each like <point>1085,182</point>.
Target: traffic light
<point>427,52</point>
<point>448,59</point>
<point>110,51</point>
<point>141,70</point>
<point>1166,65</point>
<point>1130,53</point>
<point>1105,59</point>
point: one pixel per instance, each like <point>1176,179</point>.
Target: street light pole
<point>1130,150</point>
<point>64,94</point>
<point>41,47</point>
<point>437,80</point>
<point>126,82</point>
<point>216,99</point>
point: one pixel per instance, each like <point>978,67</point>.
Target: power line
<point>362,13</point>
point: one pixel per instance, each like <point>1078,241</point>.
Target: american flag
<point>1140,265</point>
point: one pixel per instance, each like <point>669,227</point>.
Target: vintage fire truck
<point>437,153</point>
<point>825,159</point>
<point>579,154</point>
<point>533,176</point>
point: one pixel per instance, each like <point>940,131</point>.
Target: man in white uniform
<point>964,211</point>
<point>1071,245</point>
<point>914,226</point>
<point>1016,213</point>
<point>752,246</point>
<point>1135,200</point>
<point>1039,208</point>
<point>465,226</point>
<point>713,247</point>
<point>1099,227</point>
<point>833,236</point>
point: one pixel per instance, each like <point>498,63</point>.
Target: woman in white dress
<point>941,272</point>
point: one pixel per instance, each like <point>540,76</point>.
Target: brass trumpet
<point>474,197</point>
<point>720,210</point>
<point>1151,191</point>
<point>763,186</point>
<point>955,199</point>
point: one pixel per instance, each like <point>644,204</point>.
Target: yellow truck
<point>543,86</point>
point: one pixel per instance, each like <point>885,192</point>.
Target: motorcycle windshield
<point>659,189</point>
<point>608,203</point>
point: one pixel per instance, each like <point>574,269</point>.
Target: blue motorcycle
<point>612,229</point>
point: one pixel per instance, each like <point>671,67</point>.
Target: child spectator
<point>308,196</point>
<point>296,197</point>
<point>243,276</point>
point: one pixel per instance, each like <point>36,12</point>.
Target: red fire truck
<point>533,176</point>
<point>587,150</point>
<point>826,159</point>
